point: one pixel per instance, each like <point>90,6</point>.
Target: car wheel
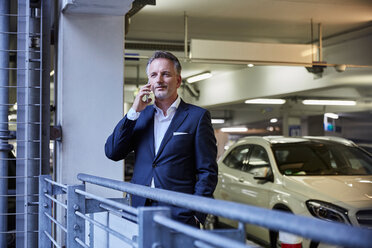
<point>211,222</point>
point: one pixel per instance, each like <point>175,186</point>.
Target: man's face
<point>164,79</point>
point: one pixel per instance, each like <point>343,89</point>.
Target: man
<point>174,142</point>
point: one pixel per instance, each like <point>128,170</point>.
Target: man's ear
<point>179,81</point>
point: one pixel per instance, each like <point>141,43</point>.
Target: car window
<point>257,158</point>
<point>238,157</point>
<point>316,158</point>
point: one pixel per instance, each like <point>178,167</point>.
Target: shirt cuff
<point>133,115</point>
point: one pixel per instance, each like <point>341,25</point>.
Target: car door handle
<point>241,179</point>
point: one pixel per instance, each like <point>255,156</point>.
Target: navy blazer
<point>185,162</point>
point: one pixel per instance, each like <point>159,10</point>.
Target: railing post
<point>45,206</point>
<point>75,224</point>
<point>150,233</point>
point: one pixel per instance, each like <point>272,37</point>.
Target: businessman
<point>174,143</point>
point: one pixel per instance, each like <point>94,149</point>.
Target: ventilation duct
<point>250,52</point>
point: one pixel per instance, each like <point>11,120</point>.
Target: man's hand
<point>140,102</point>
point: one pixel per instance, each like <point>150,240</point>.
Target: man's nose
<point>159,79</point>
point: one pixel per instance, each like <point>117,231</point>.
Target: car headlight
<point>327,211</point>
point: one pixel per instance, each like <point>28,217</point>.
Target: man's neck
<point>165,104</point>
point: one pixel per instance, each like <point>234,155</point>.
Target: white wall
<point>90,94</point>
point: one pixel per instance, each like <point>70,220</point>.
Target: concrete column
<point>315,125</point>
<point>291,125</point>
<point>89,71</point>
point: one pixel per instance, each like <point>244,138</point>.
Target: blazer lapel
<point>149,120</point>
<point>177,120</point>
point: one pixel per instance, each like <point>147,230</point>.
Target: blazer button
<point>153,165</point>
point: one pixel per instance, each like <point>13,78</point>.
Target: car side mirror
<point>263,173</point>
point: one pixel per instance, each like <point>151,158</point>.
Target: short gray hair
<point>165,55</point>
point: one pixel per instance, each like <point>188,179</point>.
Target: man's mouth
<point>161,87</point>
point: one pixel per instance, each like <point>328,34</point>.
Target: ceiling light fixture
<point>265,101</point>
<point>270,129</point>
<point>250,65</point>
<point>331,115</point>
<point>273,120</point>
<point>218,121</point>
<point>234,129</point>
<point>199,77</point>
<point>329,102</point>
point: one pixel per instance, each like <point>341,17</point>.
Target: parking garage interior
<point>275,68</point>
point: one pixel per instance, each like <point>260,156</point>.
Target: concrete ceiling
<point>274,21</point>
<point>248,20</point>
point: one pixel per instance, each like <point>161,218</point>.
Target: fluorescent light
<point>52,73</point>
<point>265,101</point>
<point>270,129</point>
<point>329,102</point>
<point>218,121</point>
<point>331,115</point>
<point>250,65</point>
<point>199,77</point>
<point>234,129</point>
<point>273,120</point>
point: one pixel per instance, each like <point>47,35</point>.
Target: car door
<point>256,191</point>
<point>229,186</point>
<point>230,172</point>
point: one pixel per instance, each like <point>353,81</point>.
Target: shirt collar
<point>174,105</point>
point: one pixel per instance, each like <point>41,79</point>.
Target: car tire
<point>211,222</point>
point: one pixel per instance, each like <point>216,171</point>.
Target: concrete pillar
<point>90,72</point>
<point>315,125</point>
<point>291,125</point>
<point>89,83</point>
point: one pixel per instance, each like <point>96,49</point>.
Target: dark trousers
<point>191,221</point>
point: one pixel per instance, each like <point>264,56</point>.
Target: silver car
<point>326,177</point>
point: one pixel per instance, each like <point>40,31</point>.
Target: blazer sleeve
<point>205,157</point>
<point>120,142</point>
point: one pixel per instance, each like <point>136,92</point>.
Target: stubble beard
<point>161,95</point>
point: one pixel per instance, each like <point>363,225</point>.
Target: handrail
<point>112,203</point>
<point>212,238</point>
<point>105,228</point>
<point>312,228</point>
<point>55,183</point>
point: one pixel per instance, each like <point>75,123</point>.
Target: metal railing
<point>125,226</point>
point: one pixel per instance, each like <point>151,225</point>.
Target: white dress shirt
<point>161,124</point>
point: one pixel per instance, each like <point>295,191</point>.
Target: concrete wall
<point>90,94</point>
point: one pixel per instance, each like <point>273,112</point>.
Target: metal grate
<point>154,46</point>
<point>22,119</point>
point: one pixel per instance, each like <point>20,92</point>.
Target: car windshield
<point>316,158</point>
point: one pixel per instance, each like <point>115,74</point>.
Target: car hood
<point>347,189</point>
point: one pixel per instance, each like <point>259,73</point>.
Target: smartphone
<point>147,96</point>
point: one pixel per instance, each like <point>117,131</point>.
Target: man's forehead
<point>161,64</point>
